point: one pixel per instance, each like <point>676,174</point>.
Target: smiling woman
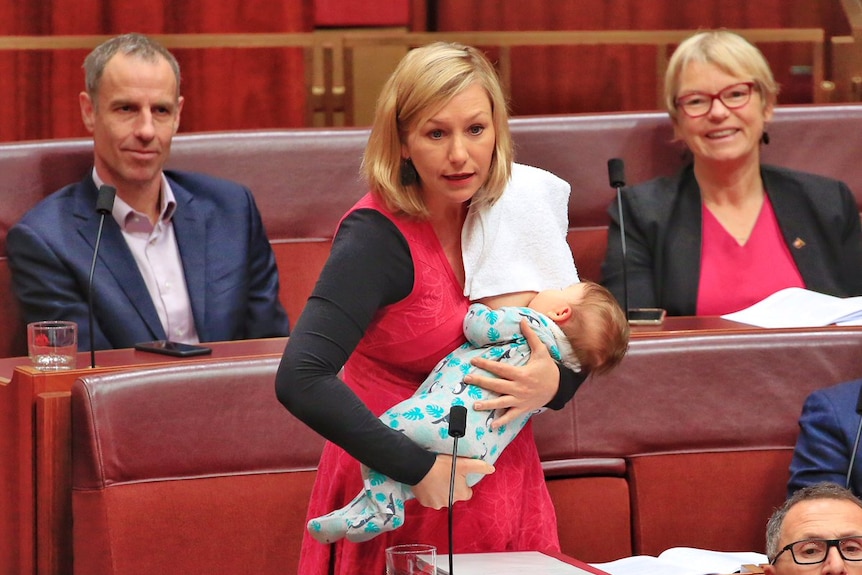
<point>728,231</point>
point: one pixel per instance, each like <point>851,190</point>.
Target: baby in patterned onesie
<point>582,326</point>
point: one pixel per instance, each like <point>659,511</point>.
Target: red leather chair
<point>194,468</point>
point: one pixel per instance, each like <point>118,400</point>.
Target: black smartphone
<point>173,348</point>
<point>646,316</point>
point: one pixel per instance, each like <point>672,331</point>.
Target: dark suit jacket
<point>827,432</point>
<point>662,221</point>
<point>229,265</point>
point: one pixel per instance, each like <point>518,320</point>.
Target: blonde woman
<point>389,306</point>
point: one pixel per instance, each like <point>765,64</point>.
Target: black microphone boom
<point>104,205</point>
<point>457,428</point>
<point>855,443</point>
<point>617,179</point>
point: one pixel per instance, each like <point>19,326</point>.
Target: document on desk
<point>507,563</point>
<point>798,307</point>
<point>682,561</point>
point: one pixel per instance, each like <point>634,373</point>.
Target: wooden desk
<point>35,453</point>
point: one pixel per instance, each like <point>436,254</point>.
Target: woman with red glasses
<point>727,231</point>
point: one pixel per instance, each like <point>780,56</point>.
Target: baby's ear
<point>562,314</point>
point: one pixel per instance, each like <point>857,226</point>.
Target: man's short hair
<point>822,490</point>
<point>131,45</point>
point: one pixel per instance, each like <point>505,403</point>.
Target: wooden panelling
<point>225,88</point>
<point>559,80</point>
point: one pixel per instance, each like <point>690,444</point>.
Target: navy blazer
<point>663,237</point>
<point>827,432</point>
<point>229,265</point>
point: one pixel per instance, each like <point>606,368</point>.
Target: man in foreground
<point>818,530</point>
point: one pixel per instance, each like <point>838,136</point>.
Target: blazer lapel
<point>191,233</point>
<point>794,217</point>
<point>685,236</point>
<point>116,259</point>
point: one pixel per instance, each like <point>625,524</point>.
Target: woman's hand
<point>522,389</point>
<point>433,490</point>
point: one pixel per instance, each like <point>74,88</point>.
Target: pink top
<point>511,510</point>
<point>733,277</point>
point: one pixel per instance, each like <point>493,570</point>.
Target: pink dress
<point>510,509</point>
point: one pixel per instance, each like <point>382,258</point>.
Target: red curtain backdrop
<point>350,13</point>
<point>232,88</point>
<point>550,80</point>
<point>225,88</point>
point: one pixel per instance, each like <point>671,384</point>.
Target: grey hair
<point>131,45</point>
<point>822,490</point>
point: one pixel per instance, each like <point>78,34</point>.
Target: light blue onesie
<point>491,333</point>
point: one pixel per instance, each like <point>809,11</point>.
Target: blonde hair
<point>729,52</point>
<point>598,329</point>
<point>425,80</point>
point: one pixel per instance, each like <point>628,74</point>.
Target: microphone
<point>617,179</point>
<point>640,315</point>
<point>457,428</point>
<point>855,443</point>
<point>104,205</point>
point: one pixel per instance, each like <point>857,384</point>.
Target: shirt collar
<point>123,212</point>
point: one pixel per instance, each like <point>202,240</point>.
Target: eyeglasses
<point>812,551</point>
<point>697,104</point>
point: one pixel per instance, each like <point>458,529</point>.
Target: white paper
<point>682,561</point>
<point>508,563</point>
<point>797,307</point>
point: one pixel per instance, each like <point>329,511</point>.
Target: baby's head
<point>592,320</point>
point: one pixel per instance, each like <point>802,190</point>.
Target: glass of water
<point>53,345</point>
<point>413,559</point>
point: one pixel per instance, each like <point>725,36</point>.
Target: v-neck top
<point>734,276</point>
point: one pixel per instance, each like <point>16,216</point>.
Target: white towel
<point>519,243</point>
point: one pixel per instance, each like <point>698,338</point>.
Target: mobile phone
<point>173,348</point>
<point>646,316</point>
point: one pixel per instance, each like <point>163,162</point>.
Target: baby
<point>582,326</point>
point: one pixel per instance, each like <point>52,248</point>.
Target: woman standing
<point>728,231</point>
<point>389,305</point>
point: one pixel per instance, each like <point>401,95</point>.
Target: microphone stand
<point>855,443</point>
<point>617,178</point>
<point>104,205</point>
<point>623,249</point>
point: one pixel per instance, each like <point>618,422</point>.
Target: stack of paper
<point>797,307</point>
<point>683,561</point>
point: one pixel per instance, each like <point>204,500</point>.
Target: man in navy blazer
<point>183,256</point>
<point>827,433</point>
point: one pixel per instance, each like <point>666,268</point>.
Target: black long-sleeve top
<point>369,267</point>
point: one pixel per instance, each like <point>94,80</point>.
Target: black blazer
<point>663,237</point>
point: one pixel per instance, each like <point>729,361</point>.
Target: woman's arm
<point>369,267</point>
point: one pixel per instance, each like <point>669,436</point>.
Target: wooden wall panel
<point>225,88</point>
<point>596,79</point>
<point>233,88</point>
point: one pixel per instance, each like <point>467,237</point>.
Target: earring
<point>409,175</point>
<point>765,138</point>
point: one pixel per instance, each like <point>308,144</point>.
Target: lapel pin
<point>798,243</point>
